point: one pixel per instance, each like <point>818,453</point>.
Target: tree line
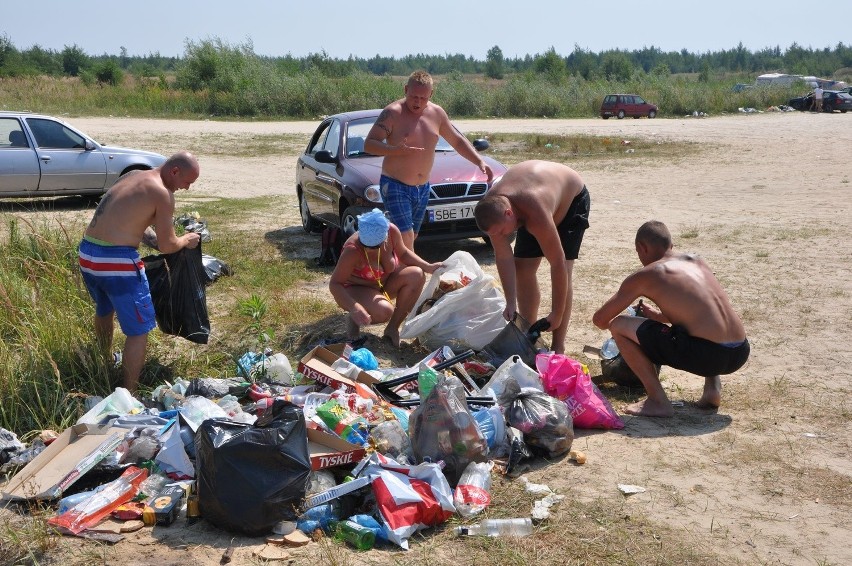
<point>205,58</point>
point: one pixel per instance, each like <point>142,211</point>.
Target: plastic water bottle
<point>609,350</point>
<point>520,527</point>
<point>357,535</point>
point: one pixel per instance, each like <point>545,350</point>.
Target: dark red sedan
<point>337,180</point>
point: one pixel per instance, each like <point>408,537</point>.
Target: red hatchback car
<point>621,105</point>
<point>336,180</point>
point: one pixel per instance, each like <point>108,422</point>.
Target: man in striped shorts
<point>109,259</point>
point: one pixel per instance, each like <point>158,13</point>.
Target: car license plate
<point>450,212</point>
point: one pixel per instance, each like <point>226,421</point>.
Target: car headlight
<point>373,193</point>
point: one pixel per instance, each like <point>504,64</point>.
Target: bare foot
<point>709,401</point>
<point>712,396</point>
<point>649,408</point>
<point>391,336</point>
<point>352,329</point>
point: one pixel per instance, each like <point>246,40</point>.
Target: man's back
<point>127,209</point>
<point>689,295</point>
<point>536,187</point>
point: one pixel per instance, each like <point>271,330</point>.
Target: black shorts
<point>672,346</point>
<point>571,231</point>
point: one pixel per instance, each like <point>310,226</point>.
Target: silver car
<point>44,156</point>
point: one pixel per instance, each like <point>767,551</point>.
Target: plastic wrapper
<point>544,420</point>
<point>493,426</point>
<point>344,423</point>
<point>442,428</point>
<point>89,512</point>
<point>364,359</point>
<point>409,498</point>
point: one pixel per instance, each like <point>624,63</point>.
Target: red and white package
<point>409,498</point>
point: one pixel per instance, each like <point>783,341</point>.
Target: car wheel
<point>349,221</point>
<point>605,117</point>
<point>828,108</point>
<point>621,114</point>
<point>309,223</point>
<point>652,114</point>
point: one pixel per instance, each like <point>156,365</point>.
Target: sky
<point>439,27</point>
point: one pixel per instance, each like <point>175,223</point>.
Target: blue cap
<point>372,227</point>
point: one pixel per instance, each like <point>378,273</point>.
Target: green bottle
<point>357,535</point>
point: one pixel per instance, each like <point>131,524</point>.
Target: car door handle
<point>45,158</point>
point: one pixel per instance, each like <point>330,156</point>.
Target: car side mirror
<point>90,145</point>
<point>324,156</point>
<point>481,144</point>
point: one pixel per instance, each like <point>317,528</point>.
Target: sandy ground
<point>766,200</point>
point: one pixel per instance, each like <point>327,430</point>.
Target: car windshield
<point>357,131</point>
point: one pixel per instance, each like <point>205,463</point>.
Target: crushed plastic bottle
<point>520,527</point>
<point>609,350</point>
<point>473,492</point>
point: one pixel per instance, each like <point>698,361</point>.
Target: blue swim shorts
<point>405,204</point>
<point>115,278</point>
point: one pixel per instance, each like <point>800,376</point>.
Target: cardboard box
<point>76,451</point>
<point>327,450</point>
<point>316,365</point>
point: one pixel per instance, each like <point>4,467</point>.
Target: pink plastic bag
<point>569,380</point>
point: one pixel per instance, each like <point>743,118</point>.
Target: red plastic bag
<point>569,380</point>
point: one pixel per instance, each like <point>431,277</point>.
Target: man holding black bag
<point>109,259</point>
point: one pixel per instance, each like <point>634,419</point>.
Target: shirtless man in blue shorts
<point>406,133</point>
<point>547,204</point>
<point>109,260</point>
<point>694,328</point>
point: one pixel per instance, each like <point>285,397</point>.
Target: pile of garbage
<point>367,454</point>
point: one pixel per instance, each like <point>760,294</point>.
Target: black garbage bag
<point>513,340</point>
<point>545,421</point>
<point>253,476</point>
<point>214,268</point>
<point>177,289</point>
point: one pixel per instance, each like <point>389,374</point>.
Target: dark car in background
<point>622,105</point>
<point>831,100</point>
<point>336,180</point>
<point>43,156</point>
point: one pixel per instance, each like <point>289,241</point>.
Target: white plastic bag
<point>512,377</point>
<point>469,317</point>
<point>118,403</point>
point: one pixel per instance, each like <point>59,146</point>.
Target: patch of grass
<point>256,145</point>
<point>514,148</point>
<point>689,233</point>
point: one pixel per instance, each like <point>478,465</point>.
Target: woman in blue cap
<point>374,268</point>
